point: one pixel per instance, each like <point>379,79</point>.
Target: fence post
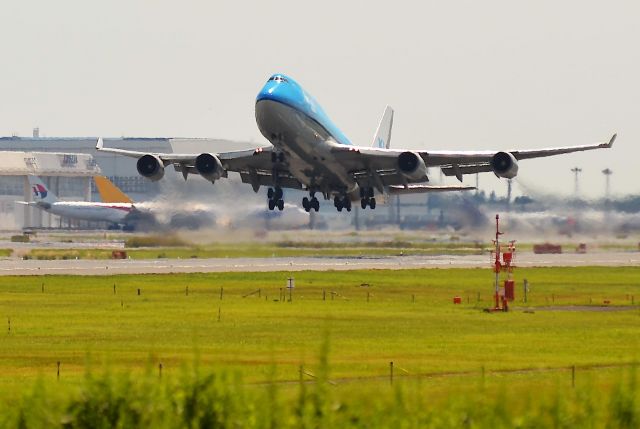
<point>58,371</point>
<point>391,372</point>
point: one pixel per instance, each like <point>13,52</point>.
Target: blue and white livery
<point>309,152</point>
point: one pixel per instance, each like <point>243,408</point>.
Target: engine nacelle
<point>151,167</point>
<point>504,165</point>
<point>209,166</point>
<point>412,166</point>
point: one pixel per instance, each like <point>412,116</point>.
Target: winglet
<point>99,144</point>
<point>610,144</point>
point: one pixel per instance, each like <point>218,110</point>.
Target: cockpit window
<point>277,79</point>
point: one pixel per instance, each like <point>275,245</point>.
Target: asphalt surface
<point>110,267</point>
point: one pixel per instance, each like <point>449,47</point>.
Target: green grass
<point>409,319</point>
<point>77,317</point>
<point>199,398</point>
<point>5,253</point>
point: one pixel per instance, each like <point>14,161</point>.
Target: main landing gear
<point>342,202</point>
<point>367,198</point>
<point>275,198</point>
<point>311,203</point>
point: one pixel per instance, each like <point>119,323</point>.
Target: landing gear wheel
<point>306,204</point>
<point>372,203</point>
<point>315,204</point>
<point>342,202</point>
<point>277,194</point>
<point>363,203</point>
<point>280,205</point>
<point>272,204</point>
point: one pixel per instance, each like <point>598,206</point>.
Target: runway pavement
<point>110,267</point>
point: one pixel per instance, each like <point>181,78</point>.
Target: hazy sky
<point>460,74</point>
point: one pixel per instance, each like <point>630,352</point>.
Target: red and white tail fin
<point>40,192</point>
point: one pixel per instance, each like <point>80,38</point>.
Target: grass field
<point>367,318</point>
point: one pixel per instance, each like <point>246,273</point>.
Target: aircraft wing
<point>255,166</point>
<point>378,167</point>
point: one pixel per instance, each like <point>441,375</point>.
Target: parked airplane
<point>309,152</point>
<point>111,211</point>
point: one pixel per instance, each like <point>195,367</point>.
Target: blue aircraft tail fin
<point>382,138</point>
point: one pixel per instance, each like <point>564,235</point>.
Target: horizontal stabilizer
<point>423,189</point>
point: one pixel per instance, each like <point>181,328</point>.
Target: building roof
<point>47,164</point>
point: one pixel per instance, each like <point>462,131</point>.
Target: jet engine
<point>209,166</point>
<point>412,166</point>
<point>504,165</point>
<point>151,167</point>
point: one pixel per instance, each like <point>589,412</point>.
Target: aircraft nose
<point>271,90</point>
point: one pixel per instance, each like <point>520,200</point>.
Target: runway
<point>160,266</point>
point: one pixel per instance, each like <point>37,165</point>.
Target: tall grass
<point>202,399</point>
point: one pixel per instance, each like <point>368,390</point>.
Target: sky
<point>460,74</point>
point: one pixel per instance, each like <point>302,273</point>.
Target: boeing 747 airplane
<point>308,152</point>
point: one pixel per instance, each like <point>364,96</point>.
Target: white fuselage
<point>100,212</point>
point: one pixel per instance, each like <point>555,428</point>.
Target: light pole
<point>576,171</point>
<point>607,174</point>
